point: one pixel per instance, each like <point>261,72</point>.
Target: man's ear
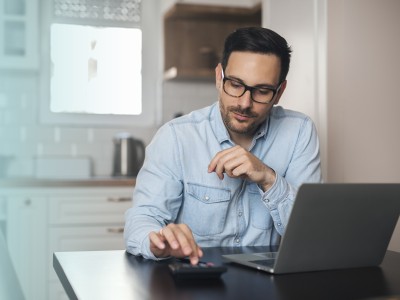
<point>218,76</point>
<point>280,92</point>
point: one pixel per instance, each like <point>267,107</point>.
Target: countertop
<point>118,275</point>
<point>90,182</point>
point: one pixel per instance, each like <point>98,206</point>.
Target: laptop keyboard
<point>265,262</point>
<point>267,255</point>
<point>268,261</point>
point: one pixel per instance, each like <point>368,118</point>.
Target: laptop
<point>332,226</point>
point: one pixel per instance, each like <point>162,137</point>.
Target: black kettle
<point>128,155</point>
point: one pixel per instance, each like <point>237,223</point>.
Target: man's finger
<point>156,240</point>
<point>170,237</point>
<point>214,162</point>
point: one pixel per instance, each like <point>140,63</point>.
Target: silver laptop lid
<point>339,226</point>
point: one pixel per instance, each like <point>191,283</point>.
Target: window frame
<point>151,76</point>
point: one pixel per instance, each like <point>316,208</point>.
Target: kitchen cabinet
<point>85,220</point>
<point>19,28</point>
<point>65,216</point>
<point>26,239</point>
<point>194,36</point>
<point>3,215</point>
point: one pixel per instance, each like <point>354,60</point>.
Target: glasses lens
<point>262,94</point>
<point>233,88</point>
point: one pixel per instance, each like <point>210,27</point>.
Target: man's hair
<point>258,40</point>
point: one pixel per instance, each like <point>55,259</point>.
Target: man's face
<point>242,116</point>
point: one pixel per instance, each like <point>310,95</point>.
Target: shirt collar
<point>218,125</point>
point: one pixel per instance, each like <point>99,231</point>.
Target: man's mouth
<point>242,116</point>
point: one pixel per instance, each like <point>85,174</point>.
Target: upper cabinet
<point>19,39</point>
<point>194,37</point>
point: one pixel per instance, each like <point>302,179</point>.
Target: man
<point>226,175</point>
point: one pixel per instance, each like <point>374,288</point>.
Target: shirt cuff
<point>277,192</point>
<point>146,253</point>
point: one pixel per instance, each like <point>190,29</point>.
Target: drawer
<point>88,210</point>
<point>84,238</point>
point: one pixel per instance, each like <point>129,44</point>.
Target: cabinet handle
<point>115,230</point>
<point>120,199</point>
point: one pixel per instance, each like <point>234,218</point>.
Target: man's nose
<point>245,100</point>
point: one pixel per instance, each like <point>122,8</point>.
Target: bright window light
<point>96,70</point>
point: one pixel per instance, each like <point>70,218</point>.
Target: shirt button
<point>279,224</point>
<point>237,241</point>
<point>240,214</point>
<point>206,198</point>
<point>266,200</point>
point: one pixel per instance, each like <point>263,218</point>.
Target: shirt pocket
<point>205,209</point>
<point>260,216</point>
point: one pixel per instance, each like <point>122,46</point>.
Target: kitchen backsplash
<point>23,138</point>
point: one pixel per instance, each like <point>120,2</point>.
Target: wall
<point>363,93</point>
<point>23,137</point>
<point>304,30</point>
<point>364,72</point>
<point>345,75</point>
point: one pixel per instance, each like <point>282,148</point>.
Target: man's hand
<point>175,240</point>
<point>238,162</point>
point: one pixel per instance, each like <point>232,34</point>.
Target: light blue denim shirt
<point>174,185</point>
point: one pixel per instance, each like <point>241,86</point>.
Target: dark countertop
<point>118,275</point>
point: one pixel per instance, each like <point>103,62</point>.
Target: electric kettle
<point>128,155</point>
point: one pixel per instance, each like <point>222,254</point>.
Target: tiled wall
<point>23,137</point>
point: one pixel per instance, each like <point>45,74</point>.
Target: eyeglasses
<point>260,94</point>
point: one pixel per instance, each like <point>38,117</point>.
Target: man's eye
<point>264,91</point>
<point>236,85</point>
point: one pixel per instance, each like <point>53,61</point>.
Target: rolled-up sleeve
<point>303,168</point>
<point>158,193</point>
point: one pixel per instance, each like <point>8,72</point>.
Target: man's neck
<point>242,140</point>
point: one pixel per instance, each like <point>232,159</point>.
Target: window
<point>97,63</point>
<point>100,79</point>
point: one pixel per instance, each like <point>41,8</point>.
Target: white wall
<point>363,93</point>
<point>364,102</point>
<point>303,26</point>
<point>345,75</point>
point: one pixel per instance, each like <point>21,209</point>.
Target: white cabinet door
<point>3,214</point>
<point>85,220</point>
<point>84,238</point>
<point>88,209</point>
<point>26,238</point>
<point>41,221</point>
<point>56,291</point>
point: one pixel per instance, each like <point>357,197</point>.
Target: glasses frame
<point>250,88</point>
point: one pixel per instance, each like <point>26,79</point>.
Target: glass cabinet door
<point>19,29</point>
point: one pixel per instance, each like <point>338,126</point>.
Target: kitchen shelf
<point>189,74</point>
<point>194,36</point>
